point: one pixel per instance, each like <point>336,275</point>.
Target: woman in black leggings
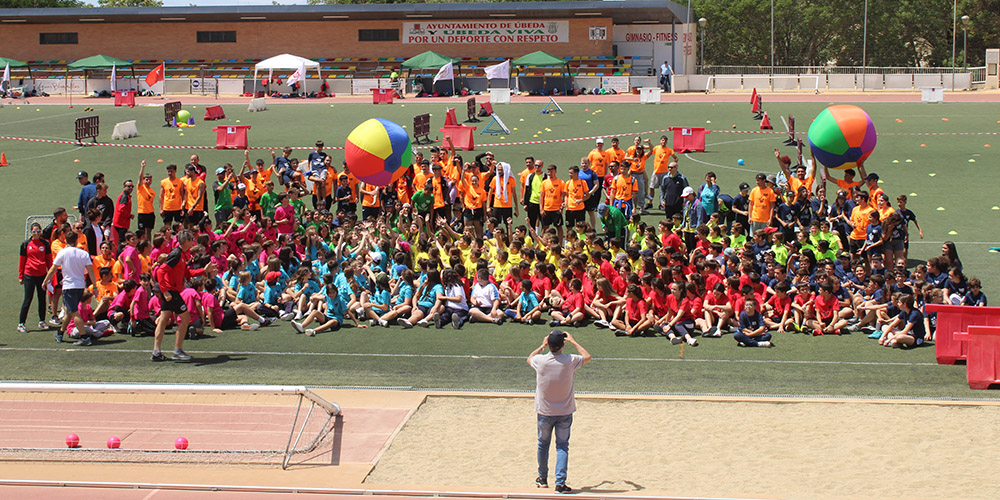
<point>36,257</point>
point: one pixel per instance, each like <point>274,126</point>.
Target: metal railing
<point>830,70</point>
<point>978,75</point>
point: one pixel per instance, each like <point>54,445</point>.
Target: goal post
<point>772,83</point>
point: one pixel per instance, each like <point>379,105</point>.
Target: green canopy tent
<point>98,62</point>
<point>540,59</point>
<point>13,63</point>
<point>430,60</point>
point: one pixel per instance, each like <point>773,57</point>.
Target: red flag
<point>155,76</point>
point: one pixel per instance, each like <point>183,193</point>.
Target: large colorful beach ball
<point>378,151</point>
<point>841,136</point>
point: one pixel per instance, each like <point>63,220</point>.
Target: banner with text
<point>464,32</point>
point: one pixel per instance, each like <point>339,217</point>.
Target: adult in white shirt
<point>485,300</point>
<point>76,266</point>
<point>666,75</point>
<point>555,403</point>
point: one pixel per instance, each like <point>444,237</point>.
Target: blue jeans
<point>751,341</point>
<point>545,426</point>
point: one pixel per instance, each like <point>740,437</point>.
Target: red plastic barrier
<point>214,113</point>
<point>449,118</point>
<point>953,319</point>
<point>231,137</point>
<point>381,95</point>
<point>461,136</point>
<point>688,139</point>
<point>488,106</point>
<point>982,367</point>
<point>125,98</point>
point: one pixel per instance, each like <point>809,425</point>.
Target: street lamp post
<point>703,23</point>
<point>965,43</point>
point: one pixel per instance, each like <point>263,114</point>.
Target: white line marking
<point>39,118</point>
<point>473,356</point>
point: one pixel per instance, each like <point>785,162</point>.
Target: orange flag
<point>156,75</point>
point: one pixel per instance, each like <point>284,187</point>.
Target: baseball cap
<point>557,339</point>
<point>771,179</point>
<point>761,177</point>
<point>81,174</point>
<point>743,186</point>
<point>241,186</point>
<point>601,208</point>
<point>220,170</point>
<point>381,278</point>
<point>688,190</point>
<point>872,177</point>
<point>376,257</point>
<point>404,246</point>
<point>600,140</point>
<point>272,276</point>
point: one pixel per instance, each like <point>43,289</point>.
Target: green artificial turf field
<point>952,194</point>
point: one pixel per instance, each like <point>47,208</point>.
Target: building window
<point>57,38</point>
<point>216,37</point>
<point>378,35</point>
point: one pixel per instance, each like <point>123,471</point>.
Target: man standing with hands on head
<point>555,403</point>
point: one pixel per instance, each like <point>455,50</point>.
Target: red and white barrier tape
<point>496,144</point>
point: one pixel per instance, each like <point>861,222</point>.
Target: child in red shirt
<point>778,308</point>
<point>827,308</point>
<point>718,310</point>
<point>571,310</point>
<point>636,318</point>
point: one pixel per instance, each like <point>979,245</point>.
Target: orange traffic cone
<point>765,123</point>
<point>3,160</point>
<point>753,97</point>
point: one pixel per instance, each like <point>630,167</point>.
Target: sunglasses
<point>36,231</point>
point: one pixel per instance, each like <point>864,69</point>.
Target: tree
<point>130,3</point>
<point>40,4</point>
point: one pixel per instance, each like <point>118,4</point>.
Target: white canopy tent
<point>285,61</point>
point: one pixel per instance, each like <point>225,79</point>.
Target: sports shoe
<point>438,321</point>
<point>310,332</point>
<point>498,321</point>
<point>298,327</point>
<point>21,328</point>
<point>620,333</point>
<point>541,482</point>
<point>562,488</point>
<point>692,342</point>
<point>817,332</point>
<point>58,336</point>
<point>85,341</point>
<point>288,316</point>
<point>601,323</point>
<point>712,333</point>
<point>43,325</point>
<point>868,329</point>
<point>554,323</point>
<point>383,323</point>
<point>181,356</point>
<point>675,340</point>
<point>425,323</point>
<point>298,315</point>
<point>249,327</point>
<point>456,322</point>
<point>158,357</point>
<point>267,321</point>
<point>764,344</point>
<point>741,344</point>
<point>55,321</point>
<point>371,322</point>
<point>403,322</point>
<point>874,335</point>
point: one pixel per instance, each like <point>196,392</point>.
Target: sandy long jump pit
<point>725,448</point>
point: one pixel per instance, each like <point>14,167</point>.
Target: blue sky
<point>201,3</point>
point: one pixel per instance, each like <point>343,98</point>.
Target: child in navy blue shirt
<point>873,238</point>
<point>975,295</point>
<point>907,328</point>
<point>753,331</point>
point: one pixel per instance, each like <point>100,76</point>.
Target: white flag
<point>6,77</point>
<point>114,78</point>
<point>299,75</point>
<point>446,72</point>
<point>498,71</point>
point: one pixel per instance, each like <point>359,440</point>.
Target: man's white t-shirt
<point>554,383</point>
<point>73,262</point>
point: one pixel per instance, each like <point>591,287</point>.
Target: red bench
<point>953,319</point>
<point>983,349</point>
